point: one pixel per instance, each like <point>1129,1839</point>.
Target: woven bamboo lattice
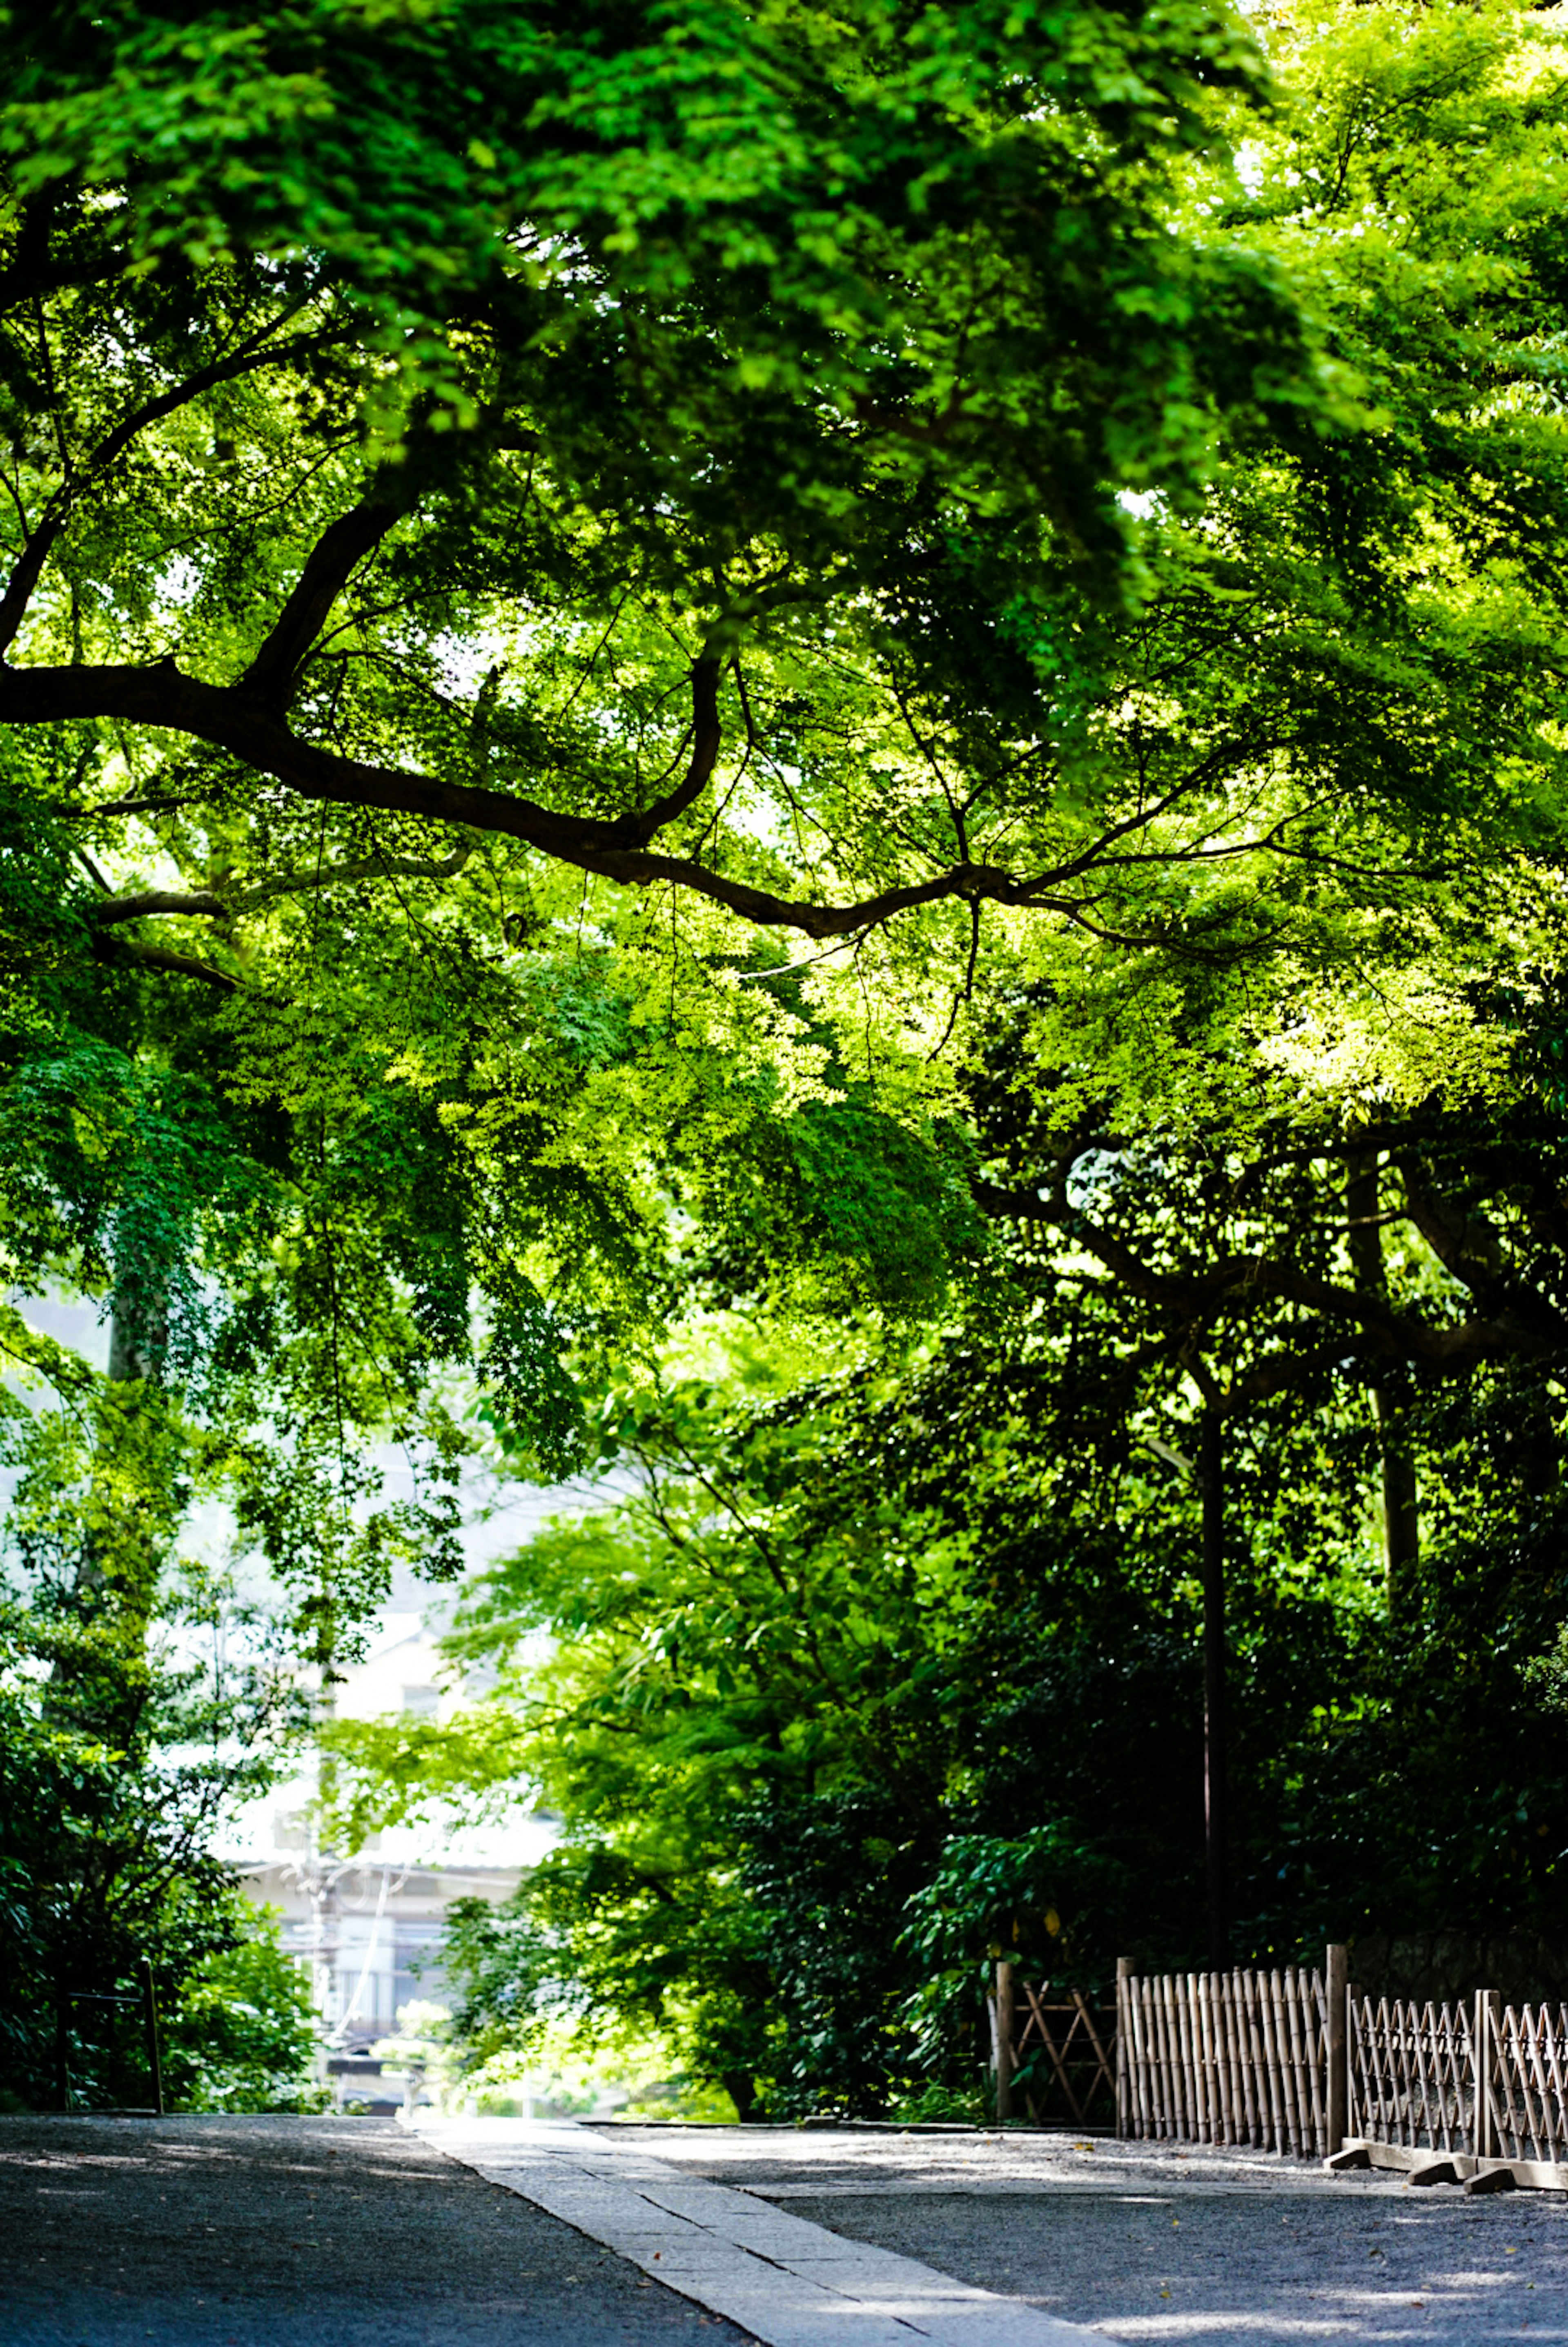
<point>1062,2057</point>
<point>1412,2072</point>
<point>1528,2064</point>
<point>1238,2057</point>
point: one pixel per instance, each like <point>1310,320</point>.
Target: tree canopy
<point>888,675</point>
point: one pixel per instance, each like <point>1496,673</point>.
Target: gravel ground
<point>285,2233</point>
<point>1204,2250</point>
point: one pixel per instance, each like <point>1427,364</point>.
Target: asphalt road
<point>277,2232</point>
<point>1166,2249</point>
<point>287,2232</point>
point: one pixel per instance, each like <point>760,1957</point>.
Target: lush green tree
<point>460,398</point>
<point>244,2034</point>
<point>138,1704</point>
<point>500,514</point>
<point>866,1684</point>
<point>791,572</point>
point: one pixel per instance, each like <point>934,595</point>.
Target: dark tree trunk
<point>741,2088</point>
<point>1215,1807</point>
<point>1398,1496</point>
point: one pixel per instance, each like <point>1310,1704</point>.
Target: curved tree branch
<point>213,905</point>
<point>1192,1298</point>
<point>274,673</point>
<point>614,848</point>
<point>40,545</point>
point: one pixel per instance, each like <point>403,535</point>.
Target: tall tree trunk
<point>127,1362</point>
<point>1216,1804</point>
<point>1401,1522</point>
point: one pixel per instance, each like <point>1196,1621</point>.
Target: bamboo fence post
<point>1315,2016</point>
<point>1196,2010</point>
<point>1295,2004</point>
<point>1337,1990</point>
<point>1181,2000</point>
<point>1280,1994</point>
<point>1173,2057</point>
<point>1241,2123</point>
<point>1240,2058</point>
<point>1156,2074</point>
<point>1141,2047</point>
<point>1268,1999</point>
<point>1203,2057</point>
<point>1123,2032</point>
<point>1203,2023</point>
<point>1224,1989</point>
<point>1004,2041</point>
<point>1163,2059</point>
<point>1172,2054</point>
<point>1203,2038</point>
<point>1247,2048</point>
<point>1299,2069</point>
<point>1258,2067</point>
<point>1222,2057</point>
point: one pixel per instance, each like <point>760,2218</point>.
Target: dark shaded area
<point>265,2232</point>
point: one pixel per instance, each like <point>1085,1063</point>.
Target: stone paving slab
<point>789,2282</point>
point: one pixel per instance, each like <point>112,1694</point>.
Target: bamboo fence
<point>1236,2057</point>
<point>1411,2074</point>
<point>1299,2063</point>
<point>1526,2109</point>
<point>1058,2059</point>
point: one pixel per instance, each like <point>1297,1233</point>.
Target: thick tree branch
<point>1471,1251</point>
<point>163,697</point>
<point>704,747</point>
<point>1193,1298</point>
<point>210,904</point>
<point>273,675</point>
<point>40,545</point>
<point>614,848</point>
<point>183,965</point>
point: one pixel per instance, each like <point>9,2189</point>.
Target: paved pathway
<point>793,2282</point>
<point>277,2232</point>
<point>1148,2246</point>
<point>283,2232</point>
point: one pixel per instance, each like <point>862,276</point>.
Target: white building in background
<point>370,1937</point>
<point>367,1926</point>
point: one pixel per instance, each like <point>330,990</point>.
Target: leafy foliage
<point>127,1733</point>
<point>244,2034</point>
<point>507,511</point>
